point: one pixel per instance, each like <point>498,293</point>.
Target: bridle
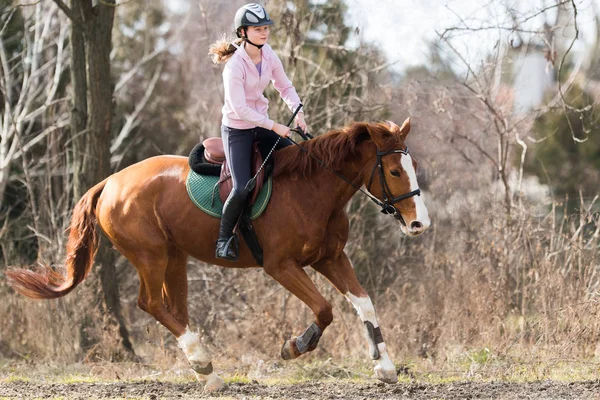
<point>387,206</point>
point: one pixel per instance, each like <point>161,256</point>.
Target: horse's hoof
<point>203,369</point>
<point>289,351</point>
<point>214,383</point>
<point>387,376</point>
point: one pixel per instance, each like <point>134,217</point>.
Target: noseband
<point>387,206</point>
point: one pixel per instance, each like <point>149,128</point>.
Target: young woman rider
<point>250,65</point>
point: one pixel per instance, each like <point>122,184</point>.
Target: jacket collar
<point>241,51</point>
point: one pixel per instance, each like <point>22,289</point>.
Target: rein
<point>252,182</point>
<point>387,206</point>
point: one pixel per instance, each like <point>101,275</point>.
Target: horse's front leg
<point>291,276</point>
<point>340,273</point>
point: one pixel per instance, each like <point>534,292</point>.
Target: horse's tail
<point>48,283</point>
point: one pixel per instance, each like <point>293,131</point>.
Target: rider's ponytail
<point>223,49</point>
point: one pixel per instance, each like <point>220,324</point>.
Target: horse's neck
<point>354,171</point>
<point>334,190</point>
<point>338,191</point>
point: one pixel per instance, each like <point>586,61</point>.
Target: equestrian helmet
<point>251,14</point>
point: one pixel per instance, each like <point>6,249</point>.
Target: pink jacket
<point>245,105</point>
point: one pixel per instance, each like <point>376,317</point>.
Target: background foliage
<point>508,266</point>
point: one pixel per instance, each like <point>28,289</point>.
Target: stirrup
<point>227,249</point>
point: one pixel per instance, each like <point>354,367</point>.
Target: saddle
<point>208,158</point>
<point>212,152</point>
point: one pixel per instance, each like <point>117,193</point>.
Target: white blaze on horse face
<point>193,349</point>
<point>366,312</point>
<point>422,213</point>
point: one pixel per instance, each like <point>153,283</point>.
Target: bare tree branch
<point>131,121</point>
<point>30,88</point>
<point>148,57</point>
<point>12,12</point>
<point>68,12</point>
<point>513,28</point>
<point>562,62</point>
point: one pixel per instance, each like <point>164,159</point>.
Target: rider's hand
<point>281,130</point>
<point>300,122</point>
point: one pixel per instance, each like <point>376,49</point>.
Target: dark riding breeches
<point>237,144</point>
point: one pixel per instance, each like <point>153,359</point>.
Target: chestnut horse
<point>146,213</point>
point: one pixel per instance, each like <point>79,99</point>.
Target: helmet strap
<point>245,37</point>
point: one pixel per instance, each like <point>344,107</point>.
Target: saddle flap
<point>213,150</point>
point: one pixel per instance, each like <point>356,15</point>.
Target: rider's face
<point>258,34</point>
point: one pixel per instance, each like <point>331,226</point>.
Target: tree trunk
<point>79,106</point>
<point>100,106</point>
<point>99,22</point>
<point>91,118</point>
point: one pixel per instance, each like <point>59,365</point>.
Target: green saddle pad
<point>200,189</point>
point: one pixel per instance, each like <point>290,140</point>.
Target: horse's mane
<point>333,148</point>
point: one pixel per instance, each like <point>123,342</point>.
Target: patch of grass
<point>15,378</point>
<point>77,378</point>
<point>285,380</point>
<point>568,372</point>
<point>482,356</point>
<point>476,365</point>
<point>237,379</point>
<point>439,379</point>
<point>560,371</point>
<point>298,371</point>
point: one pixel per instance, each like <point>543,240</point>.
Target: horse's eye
<point>395,172</point>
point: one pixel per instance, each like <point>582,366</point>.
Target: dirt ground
<point>309,390</point>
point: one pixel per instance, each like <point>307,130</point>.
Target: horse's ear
<point>393,127</point>
<point>405,128</point>
<point>379,133</point>
<point>361,132</point>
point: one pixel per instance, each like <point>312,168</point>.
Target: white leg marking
<point>364,308</point>
<point>422,213</point>
<point>199,358</point>
<point>384,367</point>
<point>193,349</point>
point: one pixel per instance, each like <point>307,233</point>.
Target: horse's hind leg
<point>152,266</point>
<point>175,293</point>
<point>175,288</point>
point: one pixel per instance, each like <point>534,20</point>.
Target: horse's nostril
<point>416,225</point>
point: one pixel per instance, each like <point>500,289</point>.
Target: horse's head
<point>393,177</point>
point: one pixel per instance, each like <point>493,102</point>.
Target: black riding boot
<point>227,244</point>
